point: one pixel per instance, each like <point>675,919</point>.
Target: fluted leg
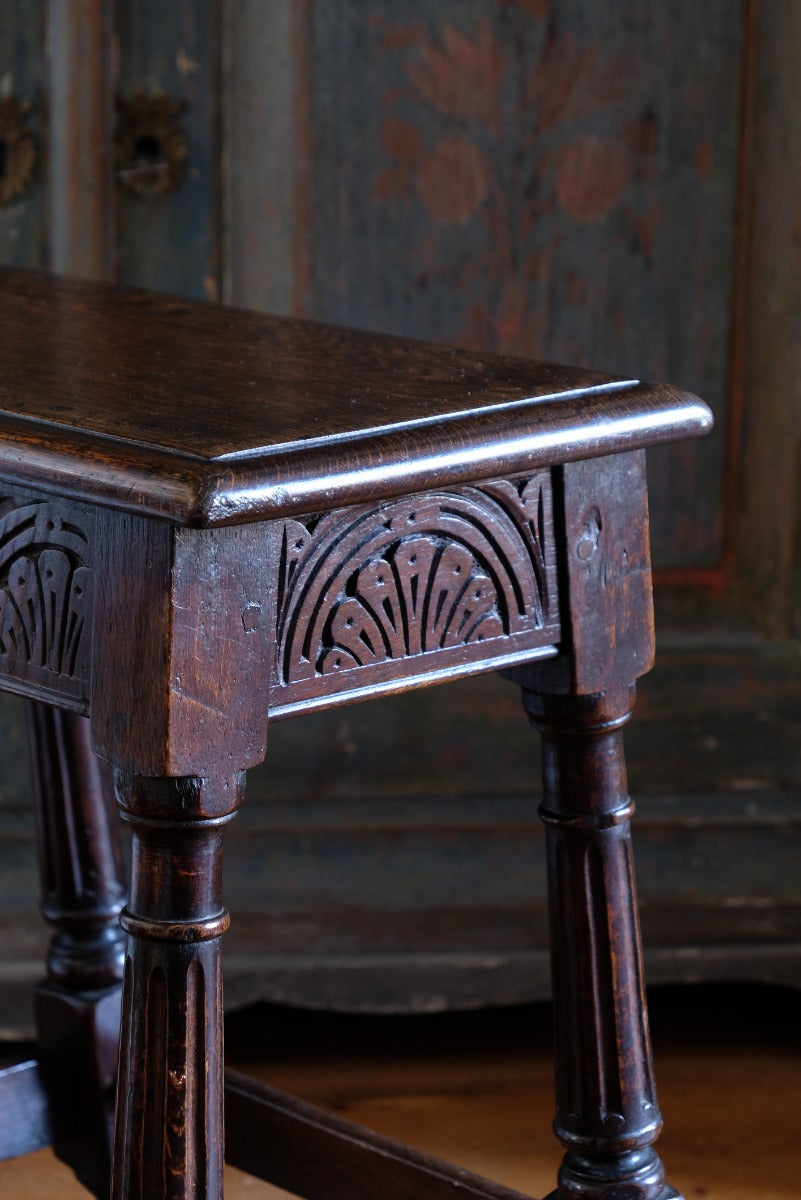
<point>169,1128</point>
<point>607,1112</point>
<point>83,890</point>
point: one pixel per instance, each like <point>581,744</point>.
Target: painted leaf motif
<point>464,79</point>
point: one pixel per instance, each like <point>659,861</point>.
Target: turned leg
<point>607,1114</point>
<point>169,1130</point>
<point>83,890</point>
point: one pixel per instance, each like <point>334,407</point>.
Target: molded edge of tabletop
<point>458,450</point>
<point>369,468</point>
<point>507,430</point>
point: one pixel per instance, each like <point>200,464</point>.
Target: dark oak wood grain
<point>607,1112</point>
<point>310,182</point>
<point>315,1154</point>
<point>169,1130</point>
<point>46,567</point>
<point>156,709</point>
<point>375,514</point>
<point>208,416</point>
<point>319,204</point>
<point>386,250</point>
<point>458,578</point>
<point>83,879</point>
<point>77,1005</point>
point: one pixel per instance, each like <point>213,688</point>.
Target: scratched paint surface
<point>22,35</point>
<point>171,243</point>
<point>545,177</point>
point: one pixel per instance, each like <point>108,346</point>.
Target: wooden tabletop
<point>208,415</point>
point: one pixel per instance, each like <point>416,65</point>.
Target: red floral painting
<point>549,178</point>
<point>508,131</point>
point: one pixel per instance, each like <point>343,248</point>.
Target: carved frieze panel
<point>45,594</point>
<point>413,586</point>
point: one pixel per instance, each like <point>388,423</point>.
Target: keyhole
<point>17,150</point>
<point>148,148</point>
<point>151,147</point>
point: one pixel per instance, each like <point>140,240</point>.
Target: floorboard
<point>477,1087</point>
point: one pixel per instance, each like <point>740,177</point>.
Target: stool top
<point>207,415</point>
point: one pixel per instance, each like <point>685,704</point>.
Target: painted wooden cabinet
<point>608,184</point>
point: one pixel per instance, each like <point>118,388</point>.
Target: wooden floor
<point>477,1088</point>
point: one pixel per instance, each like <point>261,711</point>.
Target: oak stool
<point>211,520</point>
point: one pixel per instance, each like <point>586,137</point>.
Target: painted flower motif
<point>591,177</point>
<point>482,135</point>
<point>454,179</point>
<point>464,78</point>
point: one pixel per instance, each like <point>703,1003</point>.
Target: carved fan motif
<point>414,576</point>
<point>421,594</point>
<point>44,588</point>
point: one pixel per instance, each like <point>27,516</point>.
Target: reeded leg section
<point>83,890</point>
<point>169,1127</point>
<point>607,1113</point>
<point>83,887</point>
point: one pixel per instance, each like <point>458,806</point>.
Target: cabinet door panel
<point>171,242</point>
<point>22,215</point>
<point>556,180</point>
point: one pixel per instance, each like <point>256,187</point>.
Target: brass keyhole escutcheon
<point>151,148</point>
<point>17,150</point>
